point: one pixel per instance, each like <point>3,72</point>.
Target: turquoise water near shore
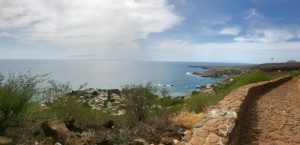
<point>176,76</point>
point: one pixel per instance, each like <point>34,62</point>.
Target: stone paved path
<point>274,118</point>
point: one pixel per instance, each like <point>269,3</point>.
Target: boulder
<point>140,142</point>
<point>56,129</point>
<point>167,141</point>
<point>72,125</point>
<point>5,140</point>
<point>216,113</point>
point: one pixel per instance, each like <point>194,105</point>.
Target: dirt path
<point>274,118</point>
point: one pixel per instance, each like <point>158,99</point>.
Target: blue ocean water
<point>115,74</point>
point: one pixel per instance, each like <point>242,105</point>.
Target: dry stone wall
<point>222,125</point>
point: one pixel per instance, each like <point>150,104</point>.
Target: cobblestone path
<point>274,118</point>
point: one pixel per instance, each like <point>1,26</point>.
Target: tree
<point>164,92</point>
<point>139,99</point>
<point>54,90</point>
<point>15,93</point>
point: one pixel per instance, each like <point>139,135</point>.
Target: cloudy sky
<point>250,31</point>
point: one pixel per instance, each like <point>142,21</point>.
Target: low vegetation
<point>151,114</point>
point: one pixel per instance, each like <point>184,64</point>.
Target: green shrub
<point>15,93</point>
<point>139,99</point>
<point>169,101</point>
<point>95,93</point>
<point>54,90</point>
<point>254,77</point>
<point>67,107</point>
<point>164,92</point>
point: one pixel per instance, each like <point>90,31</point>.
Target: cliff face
<point>222,125</point>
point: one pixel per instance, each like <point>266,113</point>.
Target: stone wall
<point>222,125</point>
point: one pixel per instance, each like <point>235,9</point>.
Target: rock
<point>278,142</point>
<point>231,114</point>
<point>216,113</point>
<point>166,141</point>
<point>201,133</point>
<point>212,122</point>
<point>213,138</point>
<point>187,135</point>
<point>57,143</point>
<point>89,90</point>
<point>197,141</point>
<point>5,140</point>
<point>73,140</point>
<point>56,129</point>
<point>275,136</point>
<point>88,95</point>
<point>295,138</point>
<point>47,141</point>
<point>36,130</point>
<point>72,125</point>
<point>140,142</point>
<point>201,123</point>
<point>208,86</point>
<point>230,128</point>
<point>175,141</point>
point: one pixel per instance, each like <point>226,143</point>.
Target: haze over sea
<point>115,74</point>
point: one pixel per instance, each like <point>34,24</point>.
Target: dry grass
<point>187,119</point>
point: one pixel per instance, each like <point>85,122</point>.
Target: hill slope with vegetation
<point>151,115</point>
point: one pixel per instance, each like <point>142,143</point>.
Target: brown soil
<point>274,118</point>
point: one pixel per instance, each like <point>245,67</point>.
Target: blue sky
<point>250,31</point>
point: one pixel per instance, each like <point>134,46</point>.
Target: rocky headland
<point>221,71</point>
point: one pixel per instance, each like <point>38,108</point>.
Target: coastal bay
<point>115,74</point>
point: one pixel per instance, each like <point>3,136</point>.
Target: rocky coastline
<point>220,71</point>
<point>228,73</point>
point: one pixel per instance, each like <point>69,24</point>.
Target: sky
<point>245,31</point>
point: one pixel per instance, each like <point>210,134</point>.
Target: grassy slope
<point>198,102</point>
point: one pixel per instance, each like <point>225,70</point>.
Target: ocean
<point>176,76</point>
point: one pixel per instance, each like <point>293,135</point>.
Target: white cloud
<point>253,52</point>
<point>267,35</point>
<point>230,31</point>
<point>253,14</point>
<point>105,23</point>
<point>7,35</point>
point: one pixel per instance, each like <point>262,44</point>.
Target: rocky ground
<point>100,99</point>
<point>274,118</point>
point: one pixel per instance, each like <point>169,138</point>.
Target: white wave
<point>165,85</point>
<point>191,74</point>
